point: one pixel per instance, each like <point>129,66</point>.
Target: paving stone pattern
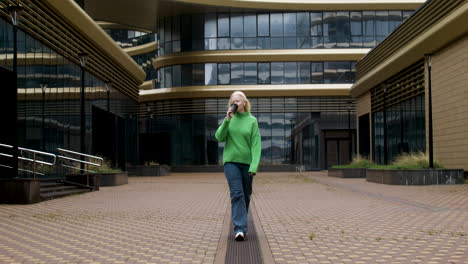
<point>306,218</point>
<point>312,218</point>
<point>151,220</point>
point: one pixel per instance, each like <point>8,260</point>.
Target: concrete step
<point>55,195</point>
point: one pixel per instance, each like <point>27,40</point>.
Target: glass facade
<point>130,38</point>
<point>236,73</point>
<point>50,119</point>
<point>146,63</point>
<point>405,125</point>
<point>291,129</point>
<point>292,30</point>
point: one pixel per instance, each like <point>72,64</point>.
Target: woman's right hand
<point>229,113</point>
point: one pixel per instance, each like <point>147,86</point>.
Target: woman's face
<point>239,101</point>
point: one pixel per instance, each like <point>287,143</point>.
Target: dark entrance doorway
<point>7,104</point>
<point>338,148</point>
<point>364,136</point>
<point>109,137</point>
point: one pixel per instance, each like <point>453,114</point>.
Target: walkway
<point>300,218</point>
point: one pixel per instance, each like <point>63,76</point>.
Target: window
<point>237,25</point>
<point>277,72</point>
<point>223,73</point>
<point>250,73</point>
<point>264,73</point>
<point>211,73</point>
<point>237,72</point>
<point>263,25</point>
<point>223,25</point>
<point>249,29</point>
<point>210,26</point>
<point>276,25</point>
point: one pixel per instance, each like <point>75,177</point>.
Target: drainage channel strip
<point>247,251</point>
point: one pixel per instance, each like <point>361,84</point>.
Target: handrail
<point>34,160</point>
<point>80,160</point>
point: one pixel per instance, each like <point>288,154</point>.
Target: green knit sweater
<point>242,137</point>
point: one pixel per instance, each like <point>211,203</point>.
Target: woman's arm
<point>256,148</point>
<point>221,132</point>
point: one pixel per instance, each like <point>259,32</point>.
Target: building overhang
<point>284,90</point>
<point>144,14</point>
<point>219,56</point>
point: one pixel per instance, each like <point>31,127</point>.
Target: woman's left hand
<point>252,174</point>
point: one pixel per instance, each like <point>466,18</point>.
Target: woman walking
<point>241,157</point>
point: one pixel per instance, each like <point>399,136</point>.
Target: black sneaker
<point>239,236</point>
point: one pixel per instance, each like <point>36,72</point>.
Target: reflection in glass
<point>223,73</point>
<point>277,72</point>
<point>250,73</point>
<point>263,73</point>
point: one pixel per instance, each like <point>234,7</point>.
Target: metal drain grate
<point>244,252</point>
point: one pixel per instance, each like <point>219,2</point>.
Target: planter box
<point>20,191</point>
<point>152,170</point>
<point>113,178</point>
<point>416,176</point>
<point>347,172</point>
<point>94,180</point>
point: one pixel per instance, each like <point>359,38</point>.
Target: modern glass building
<point>159,75</point>
<point>411,89</point>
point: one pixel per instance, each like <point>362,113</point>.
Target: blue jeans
<point>240,188</point>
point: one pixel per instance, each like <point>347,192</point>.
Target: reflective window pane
<point>210,26</point>
<point>223,25</point>
<point>211,73</point>
<point>237,72</point>
<point>263,25</point>
<point>317,72</point>
<point>276,21</point>
<point>250,73</point>
<point>224,73</point>
<point>277,72</point>
<point>264,73</point>
<point>304,72</point>
<point>290,72</point>
<point>316,27</point>
<point>290,24</point>
<point>303,24</point>
<point>249,29</point>
<point>237,25</point>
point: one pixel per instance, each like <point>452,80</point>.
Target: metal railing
<point>30,155</point>
<point>78,158</point>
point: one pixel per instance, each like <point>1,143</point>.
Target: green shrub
<point>417,160</point>
<point>105,167</point>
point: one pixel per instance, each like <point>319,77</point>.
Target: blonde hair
<point>244,98</point>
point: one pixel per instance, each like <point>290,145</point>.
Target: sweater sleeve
<point>221,132</point>
<point>256,147</point>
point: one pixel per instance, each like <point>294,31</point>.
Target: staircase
<point>57,187</point>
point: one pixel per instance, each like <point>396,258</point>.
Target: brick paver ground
<point>312,218</point>
<point>174,219</point>
<point>306,218</point>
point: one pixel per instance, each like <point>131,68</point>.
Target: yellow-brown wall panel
<point>363,106</point>
<point>449,104</point>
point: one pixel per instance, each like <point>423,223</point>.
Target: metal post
<point>428,58</point>
<point>349,132</point>
<point>14,12</point>
<point>385,124</point>
<point>108,86</point>
<point>83,59</point>
<point>43,87</point>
